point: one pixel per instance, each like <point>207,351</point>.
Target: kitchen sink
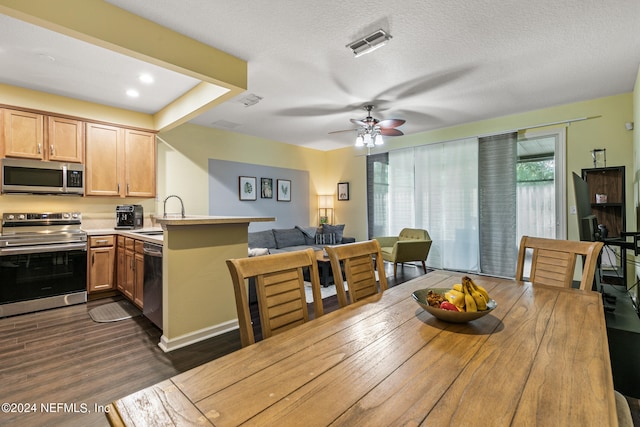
<point>150,232</point>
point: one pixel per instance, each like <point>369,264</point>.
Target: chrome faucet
<point>164,209</point>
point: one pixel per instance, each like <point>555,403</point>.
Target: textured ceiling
<point>448,62</point>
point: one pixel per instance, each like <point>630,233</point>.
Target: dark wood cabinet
<point>607,198</point>
<point>606,193</point>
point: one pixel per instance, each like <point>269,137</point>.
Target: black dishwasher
<point>152,300</point>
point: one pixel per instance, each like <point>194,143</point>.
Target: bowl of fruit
<point>462,303</point>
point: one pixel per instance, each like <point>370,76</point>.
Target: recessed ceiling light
<point>146,78</point>
<point>133,93</point>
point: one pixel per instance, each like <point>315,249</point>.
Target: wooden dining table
<point>539,358</point>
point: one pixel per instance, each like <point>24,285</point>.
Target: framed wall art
<point>284,190</point>
<point>343,191</point>
<point>247,188</point>
<point>266,188</point>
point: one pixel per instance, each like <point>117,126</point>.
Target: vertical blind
<point>497,179</point>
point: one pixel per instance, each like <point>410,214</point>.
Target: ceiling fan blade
<point>359,122</point>
<point>391,132</point>
<point>340,131</point>
<point>391,123</point>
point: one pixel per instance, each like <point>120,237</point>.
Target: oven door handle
<point>38,249</point>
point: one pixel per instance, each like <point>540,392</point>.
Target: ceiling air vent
<point>225,124</point>
<point>369,43</point>
<point>249,100</point>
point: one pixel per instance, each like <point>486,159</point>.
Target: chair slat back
<point>280,290</point>
<point>553,261</point>
<point>360,261</point>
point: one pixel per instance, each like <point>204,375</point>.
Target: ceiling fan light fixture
<point>359,141</point>
<point>378,140</point>
<point>369,43</point>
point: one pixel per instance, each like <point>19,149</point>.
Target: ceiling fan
<point>371,130</point>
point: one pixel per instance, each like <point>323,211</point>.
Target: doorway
<point>541,185</point>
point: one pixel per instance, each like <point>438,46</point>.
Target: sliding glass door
<point>476,197</point>
<point>541,185</point>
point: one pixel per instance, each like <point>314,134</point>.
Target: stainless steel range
<point>43,261</point>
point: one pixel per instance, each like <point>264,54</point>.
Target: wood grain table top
<point>540,358</point>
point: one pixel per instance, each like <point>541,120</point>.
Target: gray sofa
<point>297,238</point>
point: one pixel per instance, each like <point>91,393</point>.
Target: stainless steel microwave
<point>39,177</point>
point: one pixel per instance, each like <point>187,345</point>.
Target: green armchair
<point>412,244</point>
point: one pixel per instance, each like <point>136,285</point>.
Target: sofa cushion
<point>310,234</point>
<point>288,237</point>
<point>338,230</point>
<point>294,248</point>
<point>262,239</point>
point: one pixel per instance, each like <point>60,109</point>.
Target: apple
<point>446,305</point>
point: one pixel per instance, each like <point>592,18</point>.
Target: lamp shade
<point>325,202</point>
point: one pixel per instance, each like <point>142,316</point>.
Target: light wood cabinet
<point>103,161</point>
<point>101,263</point>
<point>37,136</point>
<point>23,134</point>
<point>65,139</point>
<point>139,163</point>
<point>131,269</point>
<point>120,162</point>
<point>121,269</point>
<point>138,281</point>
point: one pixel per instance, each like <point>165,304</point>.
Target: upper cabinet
<point>65,139</point>
<point>103,162</point>
<point>139,163</point>
<point>120,162</point>
<point>42,137</point>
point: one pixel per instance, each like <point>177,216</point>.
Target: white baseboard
<point>168,345</point>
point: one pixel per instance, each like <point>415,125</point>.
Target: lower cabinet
<point>101,263</point>
<point>130,271</point>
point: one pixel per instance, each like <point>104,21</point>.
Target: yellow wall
<point>607,131</point>
<point>183,155</point>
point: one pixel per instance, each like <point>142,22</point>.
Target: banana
<point>470,303</point>
<point>456,298</point>
<point>458,287</point>
<point>480,289</point>
<point>479,294</point>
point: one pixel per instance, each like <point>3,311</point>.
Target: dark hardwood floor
<point>64,368</point>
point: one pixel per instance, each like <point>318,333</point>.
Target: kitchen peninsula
<point>198,299</point>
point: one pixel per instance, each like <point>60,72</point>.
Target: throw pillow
<point>288,237</point>
<point>338,230</point>
<point>262,239</point>
<point>325,239</point>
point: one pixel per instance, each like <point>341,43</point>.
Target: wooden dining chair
<point>359,264</point>
<point>280,291</point>
<point>553,262</point>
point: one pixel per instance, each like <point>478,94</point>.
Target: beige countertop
<point>136,234</point>
<point>207,220</point>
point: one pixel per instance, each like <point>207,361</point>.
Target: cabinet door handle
<point>39,148</point>
<point>102,241</point>
<point>93,259</point>
<point>118,187</point>
<point>127,188</point>
<point>51,151</point>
